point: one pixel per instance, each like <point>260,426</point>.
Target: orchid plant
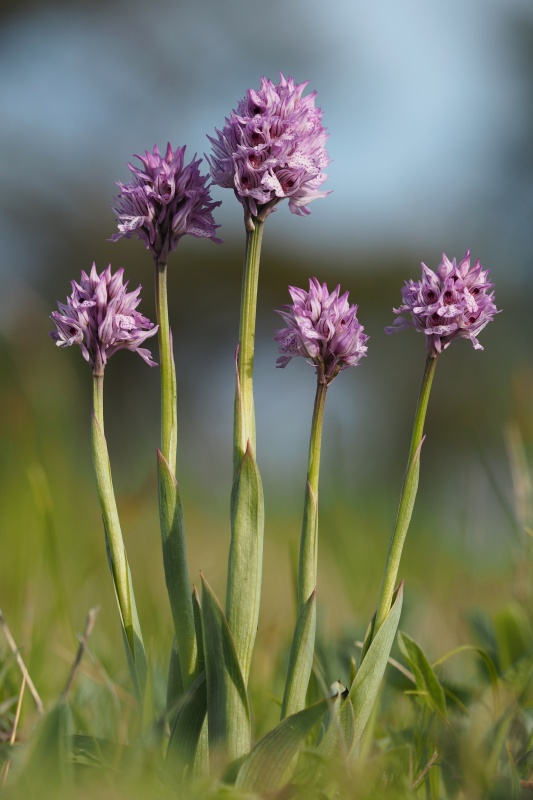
<point>271,148</point>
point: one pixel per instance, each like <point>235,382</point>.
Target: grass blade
<point>426,680</point>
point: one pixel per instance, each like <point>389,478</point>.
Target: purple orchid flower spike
<point>323,328</point>
<point>272,147</point>
<point>100,316</point>
<point>165,201</point>
<point>452,302</point>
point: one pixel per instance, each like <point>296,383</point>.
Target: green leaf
<point>245,559</point>
<point>301,659</point>
<point>47,763</point>
<point>118,563</point>
<point>197,611</point>
<point>227,700</point>
<point>201,761</point>
<point>116,551</point>
<point>174,680</point>
<point>103,753</point>
<point>487,660</point>
<point>186,730</point>
<point>176,569</point>
<point>340,726</point>
<point>268,765</point>
<point>516,790</point>
<point>131,634</point>
<point>513,634</point>
<point>366,685</point>
<point>426,680</point>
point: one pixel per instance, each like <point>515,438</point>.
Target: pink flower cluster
<point>322,327</point>
<point>100,316</point>
<point>165,201</point>
<point>272,147</point>
<point>452,302</point>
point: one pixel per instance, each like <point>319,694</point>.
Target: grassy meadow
<point>466,566</point>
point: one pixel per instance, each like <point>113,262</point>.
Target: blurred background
<point>430,112</point>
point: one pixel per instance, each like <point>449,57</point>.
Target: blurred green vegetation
<point>465,561</point>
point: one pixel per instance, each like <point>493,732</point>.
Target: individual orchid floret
<point>165,201</point>
<point>323,328</point>
<point>455,301</point>
<point>100,316</point>
<point>272,147</point>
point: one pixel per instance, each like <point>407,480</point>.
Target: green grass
<point>468,582</point>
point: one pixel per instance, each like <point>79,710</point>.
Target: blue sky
<point>420,99</point>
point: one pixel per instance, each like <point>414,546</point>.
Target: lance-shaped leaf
<point>426,680</point>
<point>227,700</point>
<point>198,627</point>
<point>366,685</point>
<point>301,659</point>
<point>188,751</point>
<point>118,562</point>
<point>186,730</point>
<point>269,764</point>
<point>131,633</point>
<point>245,559</point>
<point>175,687</point>
<point>176,569</point>
<point>339,724</point>
<point>201,761</point>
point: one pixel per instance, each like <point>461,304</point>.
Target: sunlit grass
<point>467,573</point>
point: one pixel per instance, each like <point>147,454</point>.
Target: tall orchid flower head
<point>165,201</point>
<point>455,301</point>
<point>323,328</point>
<point>272,147</point>
<point>101,316</point>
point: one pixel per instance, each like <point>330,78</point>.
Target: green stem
<point>307,572</point>
<point>170,509</point>
<point>116,550</point>
<point>245,561</point>
<point>303,640</point>
<point>169,422</point>
<point>244,425</point>
<point>407,499</point>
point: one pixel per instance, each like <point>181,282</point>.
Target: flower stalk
<point>407,498</point>
<point>169,421</point>
<point>323,328</point>
<point>244,416</point>
<point>116,551</point>
<point>101,317</point>
<point>166,200</point>
<point>453,302</point>
<point>170,510</point>
<point>245,559</point>
<point>303,642</point>
<point>307,568</point>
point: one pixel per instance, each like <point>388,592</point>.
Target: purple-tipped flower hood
<point>165,201</point>
<point>272,147</point>
<point>100,316</point>
<point>452,302</point>
<point>323,328</point>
